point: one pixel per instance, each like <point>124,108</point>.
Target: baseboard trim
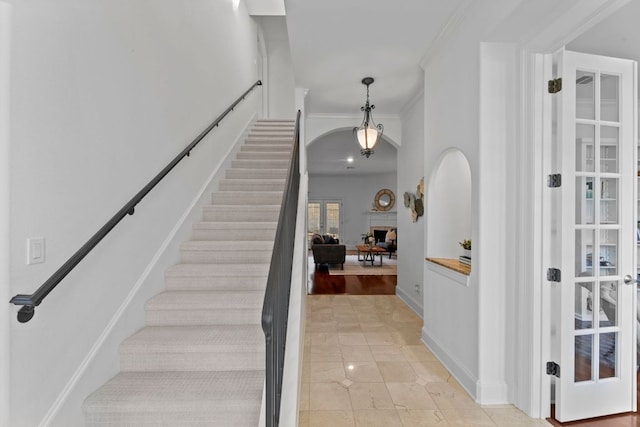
<point>467,380</point>
<point>413,305</point>
<point>97,346</point>
<point>492,393</point>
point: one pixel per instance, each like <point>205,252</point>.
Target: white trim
<point>6,312</point>
<point>466,379</point>
<point>571,23</point>
<point>115,319</point>
<point>449,28</point>
<point>492,393</point>
<point>292,375</point>
<point>463,279</point>
<point>413,305</point>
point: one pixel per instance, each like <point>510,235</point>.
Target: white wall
<point>6,313</point>
<point>357,193</point>
<point>281,81</point>
<point>278,78</point>
<point>104,94</point>
<point>410,171</point>
<point>454,313</point>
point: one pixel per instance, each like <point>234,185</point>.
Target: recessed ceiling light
<point>350,159</point>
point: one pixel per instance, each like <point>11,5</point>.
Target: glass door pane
<point>313,219</point>
<point>324,217</point>
<point>332,211</point>
<point>595,318</point>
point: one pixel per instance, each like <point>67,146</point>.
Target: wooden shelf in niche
<point>451,264</point>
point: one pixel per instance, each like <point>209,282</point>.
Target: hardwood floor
<point>322,283</point>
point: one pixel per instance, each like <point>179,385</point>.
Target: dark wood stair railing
<point>275,311</point>
<point>31,301</point>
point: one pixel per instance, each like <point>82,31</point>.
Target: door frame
<point>533,393</point>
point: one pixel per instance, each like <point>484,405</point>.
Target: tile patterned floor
<point>364,365</point>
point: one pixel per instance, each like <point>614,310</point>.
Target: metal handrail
<point>30,302</point>
<point>275,312</point>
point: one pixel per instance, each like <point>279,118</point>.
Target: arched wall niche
<point>449,205</point>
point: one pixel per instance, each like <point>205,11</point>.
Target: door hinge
<point>555,85</point>
<point>553,275</point>
<point>554,180</point>
<point>553,369</point>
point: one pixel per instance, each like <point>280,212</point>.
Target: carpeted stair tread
<point>240,173</point>
<point>205,308</point>
<point>268,148</point>
<point>263,155</point>
<point>215,283</point>
<point>246,198</point>
<point>217,270</point>
<point>238,213</point>
<point>195,339</point>
<point>260,164</point>
<point>201,300</point>
<point>177,399</point>
<point>226,246</point>
<point>252,184</point>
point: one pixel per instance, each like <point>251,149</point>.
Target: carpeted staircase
<point>200,358</point>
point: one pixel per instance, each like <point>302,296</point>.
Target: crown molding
<point>450,27</point>
<point>412,102</point>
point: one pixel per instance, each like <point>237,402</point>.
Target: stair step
<point>246,198</point>
<point>268,140</point>
<point>239,173</point>
<point>229,252</point>
<point>252,184</point>
<point>194,348</point>
<point>236,213</point>
<point>225,231</point>
<point>217,277</point>
<point>205,308</point>
<point>177,399</point>
<point>275,122</point>
<point>271,134</point>
<point>260,164</point>
<point>274,148</point>
<point>259,155</point>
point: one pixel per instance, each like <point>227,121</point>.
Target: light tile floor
<point>364,365</point>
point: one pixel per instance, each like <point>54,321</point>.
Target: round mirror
<point>384,199</point>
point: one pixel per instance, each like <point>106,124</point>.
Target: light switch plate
<point>35,250</point>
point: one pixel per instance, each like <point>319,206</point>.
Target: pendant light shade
<point>368,134</point>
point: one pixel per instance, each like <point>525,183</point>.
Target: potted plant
<point>466,245</point>
<point>368,238</point>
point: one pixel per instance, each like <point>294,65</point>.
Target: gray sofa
<point>327,253</point>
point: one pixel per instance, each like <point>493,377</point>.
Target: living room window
<point>324,217</point>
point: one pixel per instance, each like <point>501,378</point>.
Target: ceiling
<point>335,43</point>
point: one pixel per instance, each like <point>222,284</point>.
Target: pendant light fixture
<point>368,133</point>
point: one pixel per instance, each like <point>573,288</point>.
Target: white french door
<point>594,235</point>
<point>324,217</point>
